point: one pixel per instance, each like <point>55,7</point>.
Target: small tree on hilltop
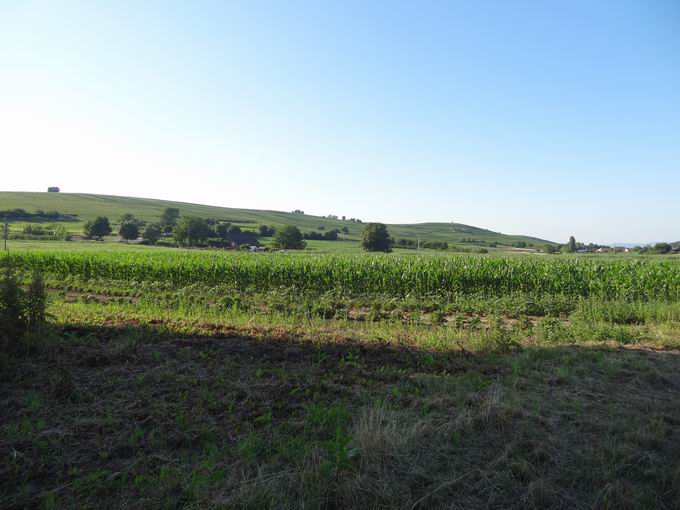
<point>376,238</point>
<point>289,238</point>
<point>53,189</point>
<point>98,228</point>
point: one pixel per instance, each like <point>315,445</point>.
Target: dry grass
<point>106,417</point>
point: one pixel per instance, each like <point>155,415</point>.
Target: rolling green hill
<point>88,206</point>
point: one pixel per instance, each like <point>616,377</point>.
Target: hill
<point>88,206</point>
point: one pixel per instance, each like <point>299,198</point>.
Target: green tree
<point>345,229</point>
<point>572,244</point>
<point>129,227</point>
<point>128,218</point>
<point>266,231</point>
<point>376,238</point>
<point>98,228</point>
<point>331,235</point>
<point>191,230</point>
<point>289,238</point>
<point>129,231</point>
<point>662,248</point>
<point>151,233</point>
<point>169,217</point>
<point>549,248</point>
<point>222,230</point>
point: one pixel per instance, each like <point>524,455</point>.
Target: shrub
<point>12,314</point>
<point>331,235</point>
<point>36,300</point>
<point>22,314</point>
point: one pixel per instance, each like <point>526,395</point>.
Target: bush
<point>436,245</point>
<point>47,233</point>
<point>405,243</point>
<point>36,300</point>
<point>313,236</point>
<point>331,235</point>
<point>22,314</point>
<point>12,312</point>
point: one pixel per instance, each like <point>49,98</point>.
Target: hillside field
<point>87,206</point>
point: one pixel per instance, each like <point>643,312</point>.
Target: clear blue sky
<point>546,118</point>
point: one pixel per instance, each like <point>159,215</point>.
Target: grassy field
<point>223,380</point>
<point>87,206</point>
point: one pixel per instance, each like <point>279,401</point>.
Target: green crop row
<point>631,279</point>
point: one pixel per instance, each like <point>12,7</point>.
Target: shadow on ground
<point>131,416</point>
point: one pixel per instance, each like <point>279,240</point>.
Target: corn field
<point>398,276</point>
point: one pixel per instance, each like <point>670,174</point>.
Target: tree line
<point>196,231</point>
<point>573,246</point>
